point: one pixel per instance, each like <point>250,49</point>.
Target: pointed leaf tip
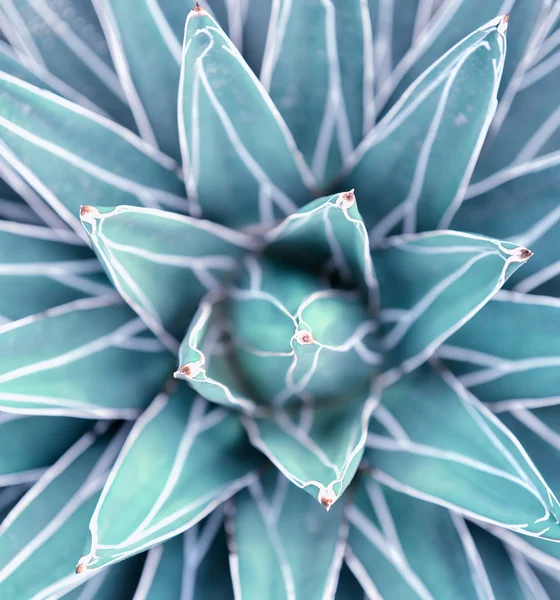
<point>80,568</point>
<point>197,7</point>
<point>524,254</point>
<point>503,24</point>
<point>326,498</point>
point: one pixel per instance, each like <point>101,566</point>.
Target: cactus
<point>269,327</point>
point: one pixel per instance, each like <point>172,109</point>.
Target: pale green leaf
<point>283,545</point>
<point>499,206</point>
<point>59,147</point>
<point>91,358</point>
<point>192,565</point>
<point>318,69</point>
<point>402,171</point>
<point>401,547</point>
<point>229,125</point>
<point>66,39</point>
<point>181,460</point>
<point>433,283</point>
<point>46,531</point>
<point>41,268</point>
<point>431,439</point>
<point>31,444</point>
<point>508,355</point>
<point>163,263</point>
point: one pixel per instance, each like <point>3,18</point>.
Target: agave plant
<point>267,328</point>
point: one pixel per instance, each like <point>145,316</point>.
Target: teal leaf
<point>317,447</point>
<point>115,583</point>
<point>150,80</point>
<point>91,358</point>
<point>508,355</point>
<point>181,460</point>
<point>328,234</point>
<point>433,283</point>
<point>450,106</point>
<point>59,147</point>
<point>501,565</point>
<point>471,463</point>
<point>30,444</point>
<point>229,125</point>
<point>41,268</point>
<point>67,40</point>
<point>194,564</point>
<point>401,547</point>
<point>45,531</point>
<point>518,135</point>
<point>536,223</point>
<point>24,67</point>
<point>318,69</point>
<point>282,544</point>
<point>454,21</point>
<point>148,252</point>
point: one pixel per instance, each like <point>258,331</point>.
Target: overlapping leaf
<point>500,206</point>
<point>31,444</point>
<point>227,123</point>
<point>114,583</point>
<point>180,462</point>
<point>318,69</point>
<point>454,20</point>
<point>59,147</point>
<point>274,531</point>
<point>67,40</point>
<point>41,268</point>
<point>150,80</point>
<point>433,283</point>
<point>508,355</point>
<point>471,462</point>
<point>163,263</point>
<point>43,534</point>
<point>91,358</point>
<point>193,565</point>
<point>527,121</point>
<point>417,187</point>
<point>401,547</point>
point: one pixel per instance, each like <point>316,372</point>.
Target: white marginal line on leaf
<point>213,499</point>
<point>65,585</point>
<point>333,575</point>
<point>399,331</point>
<point>522,403</point>
<point>155,408</point>
<point>110,25</point>
<point>29,476</point>
<point>149,572</point>
<point>16,26</point>
<point>361,574</point>
<point>87,349</point>
<point>513,172</point>
<point>93,586</point>
<point>197,411</point>
<point>390,423</point>
<point>539,138</point>
<point>62,236</point>
<point>473,357</point>
<point>167,35</point>
<point>279,18</point>
<point>484,417</point>
<point>482,376</point>
<point>256,491</point>
<point>105,122</point>
<point>541,70</point>
<point>383,513</point>
<point>82,284</point>
<point>368,99</point>
<point>48,268</point>
<point>233,555</point>
<point>542,26</point>
<point>533,423</point>
<point>18,211</point>
<point>359,520</point>
<point>31,194</point>
<point>539,278</point>
<point>422,19</point>
<point>107,460</point>
<point>235,10</point>
<point>528,581</point>
<point>78,47</point>
<point>72,454</point>
<point>386,444</point>
<point>478,573</point>
<point>50,80</point>
<point>383,41</point>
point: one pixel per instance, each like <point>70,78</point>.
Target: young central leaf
<point>295,338</point>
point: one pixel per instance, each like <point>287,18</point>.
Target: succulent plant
<point>268,324</point>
